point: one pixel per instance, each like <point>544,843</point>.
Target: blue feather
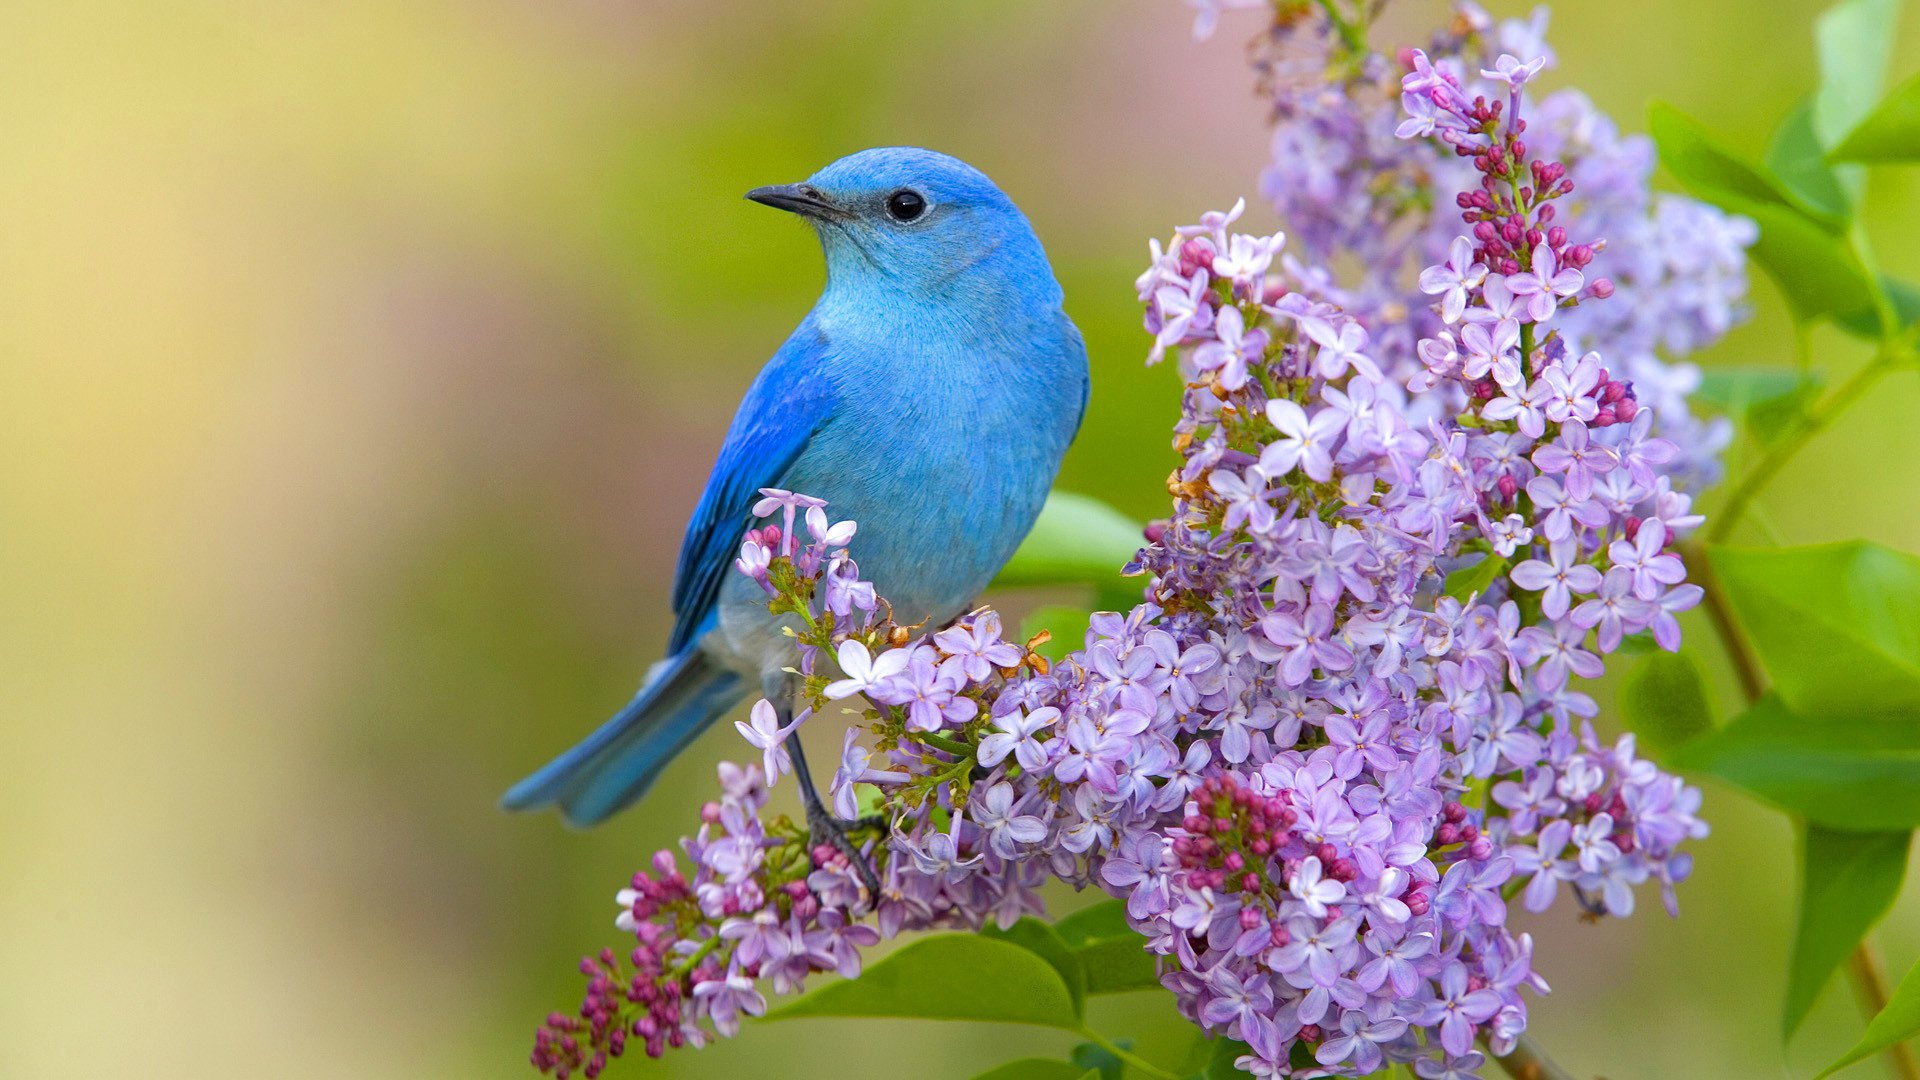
<point>781,411</point>
<point>613,767</point>
<point>929,396</point>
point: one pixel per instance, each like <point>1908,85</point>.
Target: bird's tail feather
<point>612,768</point>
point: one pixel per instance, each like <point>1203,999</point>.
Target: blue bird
<point>929,395</point>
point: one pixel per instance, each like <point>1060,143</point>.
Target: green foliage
<point>1034,1069</point>
<point>1837,625</point>
<point>949,977</point>
<point>1890,134</point>
<point>1067,624</point>
<point>1764,399</point>
<point>1904,296</point>
<point>1847,882</point>
<point>1078,540</point>
<point>1118,965</point>
<point>1219,1064</point>
<point>1040,939</point>
<point>1852,41</point>
<point>1806,253</point>
<point>1469,581</point>
<point>1665,702</point>
<point>1106,919</point>
<point>1899,1021</point>
<point>1112,955</point>
<point>1847,771</point>
<point>1798,160</point>
<point>1098,1061</point>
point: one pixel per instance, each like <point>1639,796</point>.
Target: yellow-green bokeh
<point>359,363</point>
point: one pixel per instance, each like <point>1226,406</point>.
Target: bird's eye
<point>906,205</point>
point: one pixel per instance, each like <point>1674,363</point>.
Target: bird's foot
<point>825,830</point>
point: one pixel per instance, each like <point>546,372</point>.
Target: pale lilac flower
<point>1305,442</point>
<point>1525,403</point>
<point>1513,71</point>
<point>1571,392</point>
<point>974,648</point>
<point>1615,611</point>
<point>864,671</point>
<point>1576,456</point>
<point>1314,892</point>
<point>1492,352</point>
<point>727,999</point>
<point>1006,830</point>
<point>1557,577</point>
<point>1015,735</point>
<point>1547,284</point>
<point>835,535</point>
<point>1452,280</point>
<point>763,730</point>
<point>1339,347</point>
<point>1231,349</point>
<point>1646,561</point>
<point>1456,1010</point>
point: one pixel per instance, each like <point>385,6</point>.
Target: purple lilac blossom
<point>1316,779</point>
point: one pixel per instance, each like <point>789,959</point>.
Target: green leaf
<point>1066,623</point>
<point>1847,771</point>
<point>1112,954</point>
<point>1899,1021</point>
<point>1118,965</point>
<point>1220,1063</point>
<point>1033,1069</point>
<point>1469,581</point>
<point>1798,161</point>
<point>1891,133</point>
<point>1847,882</point>
<point>1837,625</point>
<point>1640,644</point>
<point>1039,939</point>
<point>1100,1063</point>
<point>1865,322</point>
<point>1852,41</point>
<point>949,977</point>
<point>1665,702</point>
<point>1705,167</point>
<point>1765,399</point>
<point>1816,269</point>
<point>1106,919</point>
<point>1078,540</point>
<point>1808,257</point>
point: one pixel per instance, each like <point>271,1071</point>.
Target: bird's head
<point>919,224</point>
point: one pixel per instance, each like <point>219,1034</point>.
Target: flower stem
<point>1870,986</point>
<point>1810,423</point>
<point>1528,1062</point>
<point>1132,1059</point>
<point>1870,982</point>
<point>940,742</point>
<point>1350,34</point>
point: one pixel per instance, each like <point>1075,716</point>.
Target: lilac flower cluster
<point>1344,730</point>
<point>767,905</point>
<point>1349,191</point>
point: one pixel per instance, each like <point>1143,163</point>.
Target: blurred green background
<point>361,362</point>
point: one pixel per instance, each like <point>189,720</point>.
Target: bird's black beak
<point>803,199</point>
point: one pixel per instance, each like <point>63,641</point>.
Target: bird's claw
<point>824,828</point>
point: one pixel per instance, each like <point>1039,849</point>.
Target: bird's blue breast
<point>944,437</point>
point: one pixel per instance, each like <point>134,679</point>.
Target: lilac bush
<point>1343,732</point>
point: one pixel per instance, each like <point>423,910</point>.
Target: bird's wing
<point>785,406</point>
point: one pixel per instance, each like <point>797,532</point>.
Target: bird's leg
<point>822,826</point>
